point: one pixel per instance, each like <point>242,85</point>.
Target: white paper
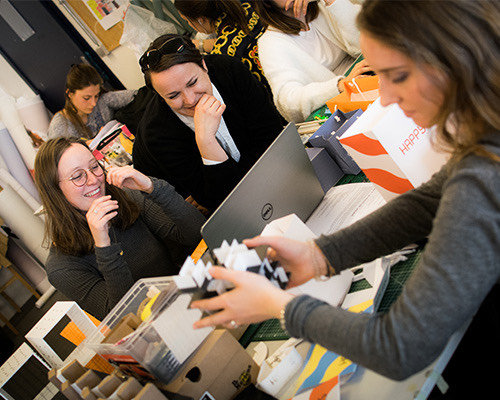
<point>175,327</point>
<point>344,205</point>
<point>15,163</point>
<point>290,227</point>
<point>14,124</point>
<point>108,13</point>
<point>279,367</point>
<point>34,115</point>
<point>331,291</point>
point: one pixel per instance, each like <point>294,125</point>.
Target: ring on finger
<point>233,324</point>
<point>96,210</point>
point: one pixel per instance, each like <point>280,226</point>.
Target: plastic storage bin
<point>142,352</point>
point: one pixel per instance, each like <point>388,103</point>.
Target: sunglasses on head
<point>152,57</point>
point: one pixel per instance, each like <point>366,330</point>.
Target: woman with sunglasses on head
<point>206,123</point>
<point>234,23</point>
<point>440,75</point>
<point>305,50</point>
<point>108,230</point>
<point>88,107</point>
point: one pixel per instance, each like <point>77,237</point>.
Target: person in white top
<point>305,50</point>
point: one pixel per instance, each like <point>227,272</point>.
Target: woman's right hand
<point>129,177</point>
<point>207,118</point>
<point>294,256</point>
<point>101,211</point>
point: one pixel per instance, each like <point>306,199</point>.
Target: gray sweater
<point>102,113</point>
<point>458,209</point>
<point>98,280</point>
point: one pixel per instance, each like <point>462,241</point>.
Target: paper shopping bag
<point>327,137</point>
<point>359,93</point>
<point>393,152</point>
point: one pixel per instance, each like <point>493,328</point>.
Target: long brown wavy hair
<point>66,226</point>
<point>212,10</point>
<point>79,77</point>
<point>271,15</point>
<point>460,38</point>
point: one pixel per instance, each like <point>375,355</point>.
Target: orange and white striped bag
<point>393,152</point>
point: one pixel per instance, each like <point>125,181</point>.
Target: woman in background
<point>88,108</point>
<point>234,23</point>
<point>305,50</point>
<point>439,74</point>
<point>108,230</point>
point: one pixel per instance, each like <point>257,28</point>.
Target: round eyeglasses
<point>80,176</point>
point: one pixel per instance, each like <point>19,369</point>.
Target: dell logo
<point>267,211</point>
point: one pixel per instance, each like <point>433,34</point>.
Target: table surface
<point>271,329</point>
<point>364,383</point>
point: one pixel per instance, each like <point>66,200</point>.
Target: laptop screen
<point>281,182</point>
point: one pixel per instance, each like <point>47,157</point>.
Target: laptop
<point>281,182</point>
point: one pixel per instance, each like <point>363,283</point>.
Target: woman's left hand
<point>253,299</point>
<point>128,177</point>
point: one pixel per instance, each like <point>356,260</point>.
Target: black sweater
<point>166,148</point>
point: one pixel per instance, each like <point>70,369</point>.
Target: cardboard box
<point>221,367</point>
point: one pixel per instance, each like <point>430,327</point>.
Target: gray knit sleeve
<point>404,220</point>
<point>106,106</point>
<point>457,268</point>
<point>96,290</point>
<point>169,216</point>
<point>60,126</point>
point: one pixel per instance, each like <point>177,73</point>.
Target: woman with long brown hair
<point>305,50</point>
<point>235,25</point>
<point>108,230</point>
<point>439,61</point>
<point>88,107</point>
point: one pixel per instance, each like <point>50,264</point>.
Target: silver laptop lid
<point>281,182</point>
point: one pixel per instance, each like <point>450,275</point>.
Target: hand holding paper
<point>253,299</point>
<point>293,255</point>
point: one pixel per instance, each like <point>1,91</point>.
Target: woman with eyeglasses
<point>107,230</point>
<point>206,123</point>
<point>88,107</point>
<point>305,50</point>
<point>440,75</point>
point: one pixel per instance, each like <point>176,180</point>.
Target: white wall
<point>122,61</point>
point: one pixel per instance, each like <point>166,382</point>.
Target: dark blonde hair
<point>271,15</point>
<point>212,10</point>
<point>66,226</point>
<point>79,77</point>
<point>459,38</point>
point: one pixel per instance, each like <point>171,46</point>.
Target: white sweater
<point>300,83</point>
